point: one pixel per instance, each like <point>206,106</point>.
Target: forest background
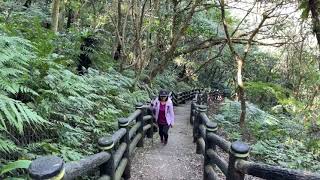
<point>70,68</point>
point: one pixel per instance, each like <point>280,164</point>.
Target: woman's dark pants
<point>163,132</point>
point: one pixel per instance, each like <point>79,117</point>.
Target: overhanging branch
<point>202,45</point>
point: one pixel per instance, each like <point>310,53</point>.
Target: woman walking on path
<point>163,111</point>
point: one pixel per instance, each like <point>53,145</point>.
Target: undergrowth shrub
<point>41,93</point>
<point>277,140</point>
<point>16,114</point>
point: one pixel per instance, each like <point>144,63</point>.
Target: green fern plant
<point>7,146</point>
<point>15,55</point>
<point>17,114</point>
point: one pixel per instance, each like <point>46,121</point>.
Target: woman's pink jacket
<point>168,111</point>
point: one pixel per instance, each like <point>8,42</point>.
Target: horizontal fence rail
<point>206,139</point>
<point>114,160</point>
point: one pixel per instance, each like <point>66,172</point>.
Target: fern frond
<point>2,123</point>
<point>14,72</point>
<point>47,93</point>
<point>7,86</point>
<point>26,90</point>
<point>18,114</point>
<point>14,88</point>
<point>7,146</point>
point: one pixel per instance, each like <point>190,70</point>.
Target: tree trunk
<point>311,100</point>
<point>70,17</point>
<point>119,17</point>
<point>62,16</point>
<point>168,54</point>
<point>119,35</point>
<point>159,67</point>
<point>55,15</point>
<point>314,8</point>
<point>241,91</point>
<point>240,63</point>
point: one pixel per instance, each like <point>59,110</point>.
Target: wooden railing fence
<point>238,165</point>
<point>114,160</point>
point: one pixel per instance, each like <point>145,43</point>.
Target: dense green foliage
<point>275,138</point>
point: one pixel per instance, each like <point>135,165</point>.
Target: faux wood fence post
<point>210,127</point>
<point>178,98</point>
<point>47,167</point>
<point>238,150</point>
<point>199,121</point>
<point>181,98</point>
<point>106,144</point>
<point>174,99</point>
<point>192,112</point>
<point>199,97</point>
<point>195,124</point>
<point>184,97</point>
<point>205,97</point>
<point>150,131</point>
<point>140,118</point>
<point>124,123</point>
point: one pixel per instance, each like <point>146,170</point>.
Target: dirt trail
<point>176,160</point>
